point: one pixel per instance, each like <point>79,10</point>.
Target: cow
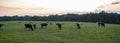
<point>101,24</point>
<point>34,25</point>
<point>1,25</point>
<point>43,25</point>
<point>78,25</point>
<point>59,25</point>
<point>29,26</point>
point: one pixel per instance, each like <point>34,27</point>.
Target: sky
<point>47,7</point>
<point>112,7</point>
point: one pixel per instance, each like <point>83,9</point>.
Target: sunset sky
<point>46,7</point>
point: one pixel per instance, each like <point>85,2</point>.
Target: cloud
<point>29,11</point>
<point>114,3</point>
<point>114,6</point>
<point>2,7</point>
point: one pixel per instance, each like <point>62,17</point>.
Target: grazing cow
<point>29,26</point>
<point>1,25</point>
<point>43,25</point>
<point>101,24</point>
<point>78,25</point>
<point>34,25</point>
<point>59,25</point>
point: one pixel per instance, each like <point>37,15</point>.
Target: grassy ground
<point>14,32</point>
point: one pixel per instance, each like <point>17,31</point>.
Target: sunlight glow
<point>31,7</point>
<point>63,4</point>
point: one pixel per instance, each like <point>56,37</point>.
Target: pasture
<point>14,32</point>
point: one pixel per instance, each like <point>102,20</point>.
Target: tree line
<point>89,17</point>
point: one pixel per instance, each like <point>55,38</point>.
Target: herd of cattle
<point>43,25</point>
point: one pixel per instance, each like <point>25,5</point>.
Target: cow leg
<point>0,27</point>
<point>45,26</point>
<point>60,27</point>
<point>104,25</point>
<point>32,29</point>
<point>78,27</point>
<point>35,27</point>
<point>41,27</point>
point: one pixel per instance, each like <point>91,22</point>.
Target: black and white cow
<point>29,26</point>
<point>43,25</point>
<point>101,24</point>
<point>59,25</point>
<point>78,25</point>
<point>34,26</point>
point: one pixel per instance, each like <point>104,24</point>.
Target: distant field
<point>14,32</point>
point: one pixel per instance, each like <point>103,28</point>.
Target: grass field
<point>14,32</point>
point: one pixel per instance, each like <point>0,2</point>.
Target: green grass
<point>14,32</point>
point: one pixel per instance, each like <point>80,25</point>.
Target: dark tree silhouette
<point>89,17</point>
